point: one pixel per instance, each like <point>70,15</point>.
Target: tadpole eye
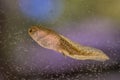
<point>30,30</point>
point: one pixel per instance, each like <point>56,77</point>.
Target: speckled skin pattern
<point>50,39</point>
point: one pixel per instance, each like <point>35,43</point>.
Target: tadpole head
<point>37,32</point>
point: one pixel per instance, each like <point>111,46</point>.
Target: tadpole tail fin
<point>79,52</point>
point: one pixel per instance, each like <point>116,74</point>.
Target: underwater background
<point>94,23</point>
